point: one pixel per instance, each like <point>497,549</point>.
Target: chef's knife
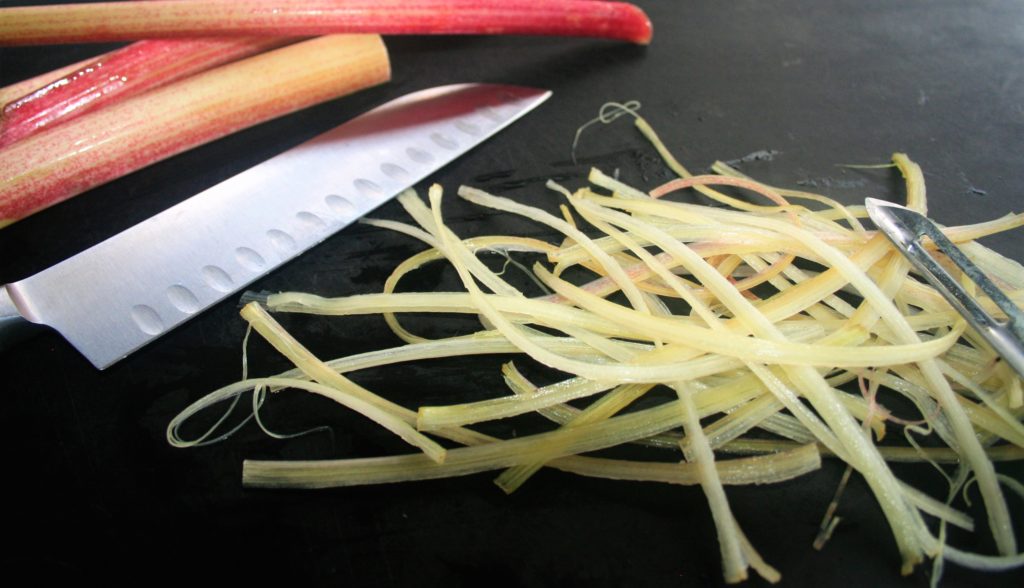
<point>907,229</point>
<point>119,295</point>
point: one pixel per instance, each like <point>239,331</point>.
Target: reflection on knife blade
<point>125,292</point>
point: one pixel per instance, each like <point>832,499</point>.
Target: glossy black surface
<point>95,492</point>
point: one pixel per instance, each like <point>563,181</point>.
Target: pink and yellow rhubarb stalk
<point>118,75</point>
<point>133,20</point>
<point>49,167</point>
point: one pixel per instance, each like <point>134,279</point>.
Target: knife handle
<point>13,326</point>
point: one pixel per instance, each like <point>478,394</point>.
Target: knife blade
<point>906,229</point>
<point>127,291</point>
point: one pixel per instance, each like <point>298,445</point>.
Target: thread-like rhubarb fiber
<point>117,75</point>
<point>50,167</point>
<point>133,20</point>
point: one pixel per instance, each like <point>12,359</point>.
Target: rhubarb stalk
<point>133,20</point>
<point>103,145</point>
<point>19,89</point>
<point>117,75</point>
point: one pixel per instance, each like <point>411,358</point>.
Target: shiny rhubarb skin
<point>18,89</point>
<point>117,75</point>
<point>23,88</point>
<point>132,20</point>
<point>100,146</point>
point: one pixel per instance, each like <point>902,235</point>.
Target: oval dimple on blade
<point>218,279</point>
<point>147,319</point>
<point>183,299</point>
<point>340,205</point>
<point>467,127</point>
<point>311,221</point>
<point>368,188</point>
<point>444,141</point>
<point>281,241</point>
<point>419,155</point>
<point>250,259</point>
<point>395,171</point>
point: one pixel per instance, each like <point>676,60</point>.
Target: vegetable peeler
<point>907,229</point>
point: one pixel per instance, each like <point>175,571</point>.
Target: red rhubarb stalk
<point>19,89</point>
<point>116,21</point>
<point>49,167</point>
<point>117,75</point>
